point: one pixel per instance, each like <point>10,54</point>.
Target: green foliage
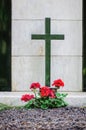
<point>84,71</point>
<point>46,102</point>
<point>7,107</point>
<point>45,97</point>
<point>4,107</point>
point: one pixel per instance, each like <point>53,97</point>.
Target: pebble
<point>66,118</point>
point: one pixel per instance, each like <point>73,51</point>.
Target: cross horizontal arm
<point>56,37</point>
<point>38,36</point>
<point>44,37</point>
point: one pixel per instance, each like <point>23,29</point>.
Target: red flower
<point>45,91</point>
<point>52,94</point>
<point>35,85</point>
<point>58,83</point>
<point>27,97</point>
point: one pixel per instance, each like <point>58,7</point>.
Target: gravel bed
<point>67,118</point>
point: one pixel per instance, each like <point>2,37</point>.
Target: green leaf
<point>64,94</point>
<point>43,106</point>
<point>4,107</point>
<point>59,95</point>
<point>29,104</point>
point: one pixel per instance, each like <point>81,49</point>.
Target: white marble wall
<point>28,17</point>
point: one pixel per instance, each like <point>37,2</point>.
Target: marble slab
<point>69,69</point>
<point>39,9</point>
<point>22,44</point>
<point>26,70</point>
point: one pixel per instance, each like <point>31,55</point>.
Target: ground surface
<point>68,118</point>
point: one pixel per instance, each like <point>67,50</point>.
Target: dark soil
<point>67,118</point>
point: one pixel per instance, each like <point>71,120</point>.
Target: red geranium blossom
<point>45,91</point>
<point>27,97</point>
<point>52,94</point>
<point>35,85</point>
<point>58,83</point>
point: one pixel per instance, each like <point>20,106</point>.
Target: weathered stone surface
<point>70,70</point>
<point>21,38</point>
<point>39,9</point>
<point>22,44</point>
<point>28,65</point>
<point>26,70</point>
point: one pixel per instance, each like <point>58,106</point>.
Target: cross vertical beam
<point>47,37</point>
<point>47,52</point>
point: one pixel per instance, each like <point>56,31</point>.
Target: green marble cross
<point>47,37</point>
